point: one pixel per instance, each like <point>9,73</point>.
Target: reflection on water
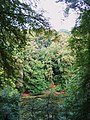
<point>43,108</point>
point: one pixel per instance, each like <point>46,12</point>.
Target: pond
<point>44,107</point>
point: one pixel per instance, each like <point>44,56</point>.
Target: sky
<point>55,12</point>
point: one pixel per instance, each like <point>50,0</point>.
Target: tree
<point>44,60</point>
<point>80,44</point>
<point>77,4</point>
<point>15,18</point>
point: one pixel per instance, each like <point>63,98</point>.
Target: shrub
<point>9,104</point>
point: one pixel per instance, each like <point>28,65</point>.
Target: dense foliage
<point>15,18</point>
<point>78,90</point>
<point>36,60</point>
<point>44,62</point>
<point>80,44</point>
<point>9,104</point>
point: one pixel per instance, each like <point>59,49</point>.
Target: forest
<point>44,74</point>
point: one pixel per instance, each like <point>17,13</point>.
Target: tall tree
<point>15,18</point>
<point>80,44</point>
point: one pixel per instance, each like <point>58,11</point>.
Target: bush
<point>9,104</point>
